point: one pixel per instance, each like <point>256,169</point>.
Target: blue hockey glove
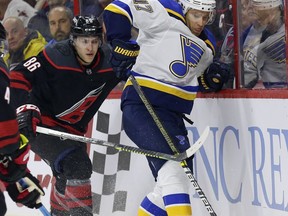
<point>214,77</point>
<point>123,57</point>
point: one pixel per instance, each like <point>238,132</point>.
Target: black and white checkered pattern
<point>107,163</point>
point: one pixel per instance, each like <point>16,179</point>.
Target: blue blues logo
<point>276,50</point>
<point>182,139</point>
<point>191,53</point>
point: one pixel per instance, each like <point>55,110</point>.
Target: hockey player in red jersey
<point>67,83</point>
<point>14,148</point>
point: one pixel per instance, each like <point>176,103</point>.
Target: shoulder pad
<point>61,54</point>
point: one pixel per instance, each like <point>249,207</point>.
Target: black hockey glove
<point>214,77</point>
<point>28,117</point>
<point>27,191</point>
<point>14,166</point>
<point>123,57</point>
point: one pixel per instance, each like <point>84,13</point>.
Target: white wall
<point>242,167</point>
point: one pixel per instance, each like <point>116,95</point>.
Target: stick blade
<point>198,144</point>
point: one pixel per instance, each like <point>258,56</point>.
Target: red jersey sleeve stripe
<point>9,133</point>
<point>18,81</point>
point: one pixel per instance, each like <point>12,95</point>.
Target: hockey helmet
<point>266,4</point>
<point>86,26</point>
<point>201,5</point>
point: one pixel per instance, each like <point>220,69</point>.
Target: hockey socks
<point>151,206</point>
<point>171,193</point>
<point>58,203</point>
<point>178,204</point>
<point>175,204</point>
<point>79,197</point>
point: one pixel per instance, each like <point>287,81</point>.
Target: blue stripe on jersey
<point>275,84</point>
<point>120,8</point>
<point>174,98</point>
<point>173,199</point>
<point>157,98</point>
<point>211,40</point>
<point>173,8</point>
<point>172,5</point>
<point>152,208</point>
<point>120,30</point>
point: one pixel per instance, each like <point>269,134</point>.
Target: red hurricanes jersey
<point>9,136</point>
<point>67,93</point>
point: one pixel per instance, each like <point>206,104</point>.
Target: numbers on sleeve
<point>7,95</point>
<point>143,5</point>
<point>32,64</point>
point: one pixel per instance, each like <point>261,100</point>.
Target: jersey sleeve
<point>9,141</point>
<point>23,77</point>
<point>150,16</point>
<point>210,40</point>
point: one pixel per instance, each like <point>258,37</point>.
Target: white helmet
<point>266,4</point>
<point>201,5</point>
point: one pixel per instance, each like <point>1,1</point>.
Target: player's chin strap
<point>168,139</point>
<point>179,157</point>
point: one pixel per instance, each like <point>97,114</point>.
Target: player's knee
<point>77,165</point>
<point>172,178</point>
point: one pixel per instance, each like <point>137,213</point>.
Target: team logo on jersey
<point>75,113</point>
<point>276,50</point>
<point>88,71</point>
<point>191,53</point>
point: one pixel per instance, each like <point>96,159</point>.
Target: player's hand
<point>123,57</point>
<point>214,77</point>
<point>14,166</point>
<point>26,191</point>
<point>28,117</point>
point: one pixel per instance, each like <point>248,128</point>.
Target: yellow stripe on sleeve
<point>113,8</point>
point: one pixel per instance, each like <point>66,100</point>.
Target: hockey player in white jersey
<point>170,63</point>
<point>266,59</point>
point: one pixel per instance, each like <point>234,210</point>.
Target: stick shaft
<point>171,144</point>
<point>119,147</point>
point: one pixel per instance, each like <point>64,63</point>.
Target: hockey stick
<point>168,139</point>
<point>179,157</point>
<point>42,208</point>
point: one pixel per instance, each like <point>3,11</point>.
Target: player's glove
<point>123,57</point>
<point>28,117</point>
<point>27,191</point>
<point>14,166</point>
<point>214,77</point>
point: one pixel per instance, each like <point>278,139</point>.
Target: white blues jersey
<point>171,57</point>
<point>269,62</point>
